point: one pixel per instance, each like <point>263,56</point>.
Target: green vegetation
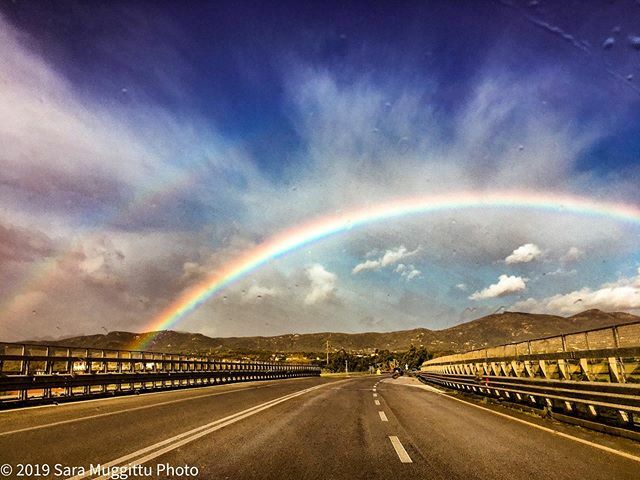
<point>382,359</point>
<point>414,358</point>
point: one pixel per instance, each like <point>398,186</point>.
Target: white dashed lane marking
<point>402,453</point>
<point>377,402</point>
<point>383,416</point>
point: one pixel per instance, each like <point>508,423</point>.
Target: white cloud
<point>623,294</point>
<point>506,285</point>
<point>390,257</point>
<point>573,255</point>
<point>366,265</point>
<point>524,254</point>
<point>408,272</point>
<point>323,284</point>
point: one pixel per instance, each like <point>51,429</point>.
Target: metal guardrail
<point>41,373</point>
<point>619,336</point>
<point>593,374</point>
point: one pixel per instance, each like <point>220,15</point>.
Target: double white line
<point>153,451</point>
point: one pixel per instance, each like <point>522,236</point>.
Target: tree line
<point>382,359</point>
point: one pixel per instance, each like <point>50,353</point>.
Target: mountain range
<point>490,330</point>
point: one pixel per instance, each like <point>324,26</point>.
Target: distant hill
<point>491,330</point>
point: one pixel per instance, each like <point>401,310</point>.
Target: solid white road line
<point>179,440</point>
<point>427,387</point>
<point>545,429</point>
<point>126,410</point>
<point>399,448</point>
<point>377,402</point>
<point>383,416</point>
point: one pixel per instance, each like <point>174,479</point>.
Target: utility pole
<point>327,352</point>
<point>346,366</point>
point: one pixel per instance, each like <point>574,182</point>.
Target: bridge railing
<point>593,373</point>
<point>614,337</point>
<point>30,372</point>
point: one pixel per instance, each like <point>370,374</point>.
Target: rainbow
<point>320,228</point>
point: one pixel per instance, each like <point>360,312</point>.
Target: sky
<point>145,145</point>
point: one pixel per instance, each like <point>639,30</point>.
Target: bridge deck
<point>334,431</point>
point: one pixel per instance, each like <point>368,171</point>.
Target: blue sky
<point>149,143</point>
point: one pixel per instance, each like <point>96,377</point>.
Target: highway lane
<point>459,440</point>
<point>34,417</point>
<point>363,427</point>
<point>338,433</point>
<point>96,431</point>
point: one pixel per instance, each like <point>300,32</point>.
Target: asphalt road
<point>312,428</point>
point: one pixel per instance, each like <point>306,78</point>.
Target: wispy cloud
<point>573,255</point>
<point>623,294</point>
<point>390,257</point>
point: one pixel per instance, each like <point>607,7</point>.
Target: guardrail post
<point>562,368</point>
<point>104,367</point>
<point>24,370</point>
<point>88,368</point>
<point>586,369</point>
<point>616,336</point>
<point>529,369</point>
<point>48,368</point>
<point>614,371</point>
<point>543,368</point>
<point>515,368</point>
<point>24,363</point>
